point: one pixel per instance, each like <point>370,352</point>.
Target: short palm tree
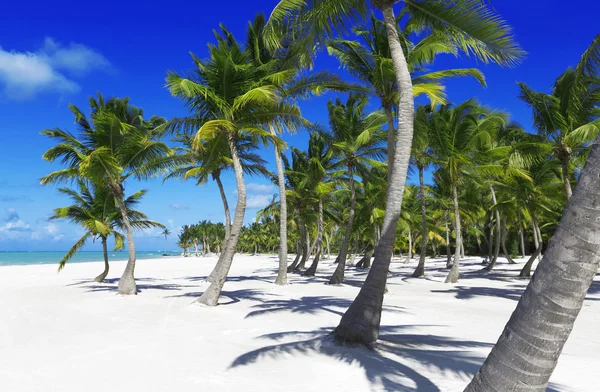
<point>95,209</point>
<point>166,232</point>
<point>114,145</point>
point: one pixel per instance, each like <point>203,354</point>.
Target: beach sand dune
<point>63,332</point>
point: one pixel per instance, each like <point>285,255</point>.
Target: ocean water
<point>28,258</point>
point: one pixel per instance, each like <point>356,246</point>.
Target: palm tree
<point>528,349</point>
<point>475,28</point>
<point>166,232</point>
<point>421,158</point>
<point>568,116</point>
<point>356,144</point>
<point>117,144</point>
<point>372,64</point>
<point>230,97</point>
<point>95,209</point>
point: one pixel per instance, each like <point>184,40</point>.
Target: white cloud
<point>260,188</point>
<point>258,201</point>
<point>23,75</point>
<point>177,206</point>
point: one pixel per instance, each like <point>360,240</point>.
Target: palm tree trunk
<point>526,270</point>
<point>521,234</point>
<point>211,296</point>
<point>360,323</point>
<point>217,178</point>
<point>313,267</point>
<point>566,178</point>
<point>527,352</point>
<point>282,271</point>
<point>301,247</point>
<point>490,239</point>
<point>100,278</point>
<point>448,255</point>
<point>420,270</point>
<point>454,271</point>
<point>305,251</point>
<point>409,255</point>
<point>338,275</point>
<point>391,136</point>
<point>127,284</point>
<point>504,249</point>
<point>498,230</point>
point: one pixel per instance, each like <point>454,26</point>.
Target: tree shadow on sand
<point>308,305</point>
<point>233,296</point>
<point>386,366</point>
<point>390,364</point>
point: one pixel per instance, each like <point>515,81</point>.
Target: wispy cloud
<point>177,206</point>
<point>258,201</point>
<point>260,188</point>
<point>23,75</point>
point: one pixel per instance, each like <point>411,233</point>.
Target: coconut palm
<point>568,117</point>
<point>357,143</point>
<point>95,209</point>
<point>372,64</point>
<point>475,28</point>
<point>166,232</point>
<point>116,144</point>
<point>528,349</point>
<point>230,97</point>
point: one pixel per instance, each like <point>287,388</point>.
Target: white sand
<point>62,332</point>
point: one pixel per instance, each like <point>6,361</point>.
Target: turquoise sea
<point>28,258</point>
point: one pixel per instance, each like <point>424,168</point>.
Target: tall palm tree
<point>287,64</point>
<point>320,180</point>
<point>371,63</point>
<point>230,97</point>
<point>117,144</point>
<point>95,209</point>
<point>421,158</point>
<point>475,28</point>
<point>528,349</point>
<point>568,117</point>
<point>357,143</point>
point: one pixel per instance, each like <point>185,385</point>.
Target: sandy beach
<point>63,332</point>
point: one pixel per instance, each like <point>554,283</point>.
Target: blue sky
<point>61,52</point>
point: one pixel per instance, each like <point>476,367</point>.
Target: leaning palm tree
<point>116,144</point>
<point>528,349</point>
<point>356,146</point>
<point>474,27</point>
<point>229,97</point>
<point>95,209</point>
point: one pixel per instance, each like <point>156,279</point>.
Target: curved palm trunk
<point>282,272</point>
<point>490,239</point>
<point>306,251</point>
<point>217,178</point>
<point>127,284</point>
<point>313,267</point>
<point>338,275</point>
<point>360,323</point>
<point>391,136</point>
<point>526,270</point>
<point>211,296</point>
<point>448,255</point>
<point>100,278</point>
<point>566,178</point>
<point>301,248</point>
<point>455,270</point>
<point>420,270</point>
<point>527,352</point>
